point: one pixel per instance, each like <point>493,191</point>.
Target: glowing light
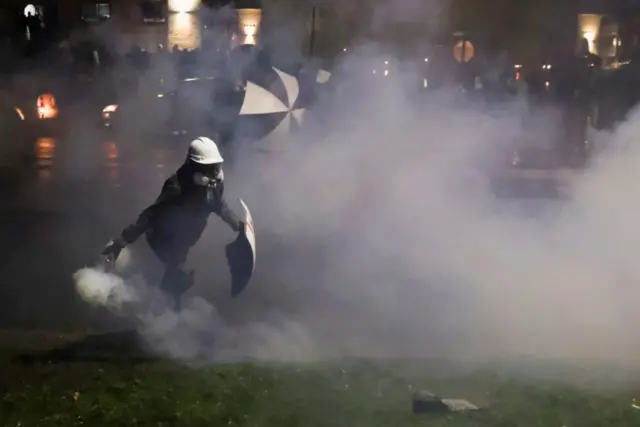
<point>249,22</point>
<point>183,6</point>
<point>588,29</point>
<point>590,36</point>
<point>108,110</point>
<point>184,31</point>
<point>425,83</point>
<point>30,10</point>
<point>249,30</point>
<point>47,108</point>
<point>20,113</point>
<point>547,84</point>
<point>44,151</point>
<point>426,59</point>
<point>113,155</point>
<point>463,51</point>
<point>386,73</point>
<point>517,66</point>
<point>112,151</point>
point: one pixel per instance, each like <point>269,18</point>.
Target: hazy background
<point>379,235</point>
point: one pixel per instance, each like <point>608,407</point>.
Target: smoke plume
<point>379,234</point>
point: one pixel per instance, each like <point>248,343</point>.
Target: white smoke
<point>100,288</point>
<point>382,237</point>
<point>197,332</point>
<point>380,234</point>
<point>418,256</point>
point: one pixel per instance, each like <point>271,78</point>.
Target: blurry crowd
<point>569,80</point>
<point>91,58</point>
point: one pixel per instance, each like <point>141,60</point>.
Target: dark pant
<point>176,281</point>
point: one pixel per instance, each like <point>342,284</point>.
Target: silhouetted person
<point>177,219</point>
<point>34,27</point>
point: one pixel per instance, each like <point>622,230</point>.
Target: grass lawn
<point>349,393</point>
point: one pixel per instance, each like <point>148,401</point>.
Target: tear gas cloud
<point>379,235</point>
<point>410,252</point>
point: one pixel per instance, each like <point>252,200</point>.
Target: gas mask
<point>209,180</point>
<point>202,180</point>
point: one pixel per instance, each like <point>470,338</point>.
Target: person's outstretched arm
<point>131,233</point>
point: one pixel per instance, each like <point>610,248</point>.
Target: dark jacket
<point>175,222</point>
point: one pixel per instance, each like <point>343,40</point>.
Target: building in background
<point>149,24</point>
<point>305,27</point>
<point>610,29</point>
<point>599,34</point>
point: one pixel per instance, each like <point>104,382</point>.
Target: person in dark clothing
<point>177,219</point>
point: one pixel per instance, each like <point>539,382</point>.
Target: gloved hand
<point>112,250</point>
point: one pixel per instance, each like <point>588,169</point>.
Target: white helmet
<point>204,151</point>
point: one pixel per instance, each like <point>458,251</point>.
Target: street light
<point>184,6</point>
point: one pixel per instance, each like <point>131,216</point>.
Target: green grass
<point>350,393</point>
